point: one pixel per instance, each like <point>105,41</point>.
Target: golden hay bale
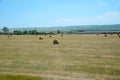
<point>55,42</point>
<point>40,38</point>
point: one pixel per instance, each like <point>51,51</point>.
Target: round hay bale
<point>50,36</point>
<point>55,42</point>
<point>61,35</point>
<point>105,35</point>
<point>119,36</point>
<point>40,38</point>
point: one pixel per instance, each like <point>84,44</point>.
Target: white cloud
<point>105,18</point>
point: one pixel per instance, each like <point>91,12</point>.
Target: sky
<point>53,13</point>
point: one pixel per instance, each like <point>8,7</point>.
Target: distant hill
<point>115,27</point>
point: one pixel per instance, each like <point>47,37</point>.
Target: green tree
<point>25,32</point>
<point>17,32</point>
<point>5,29</point>
<point>32,32</point>
<point>58,31</point>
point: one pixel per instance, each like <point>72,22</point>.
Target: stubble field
<point>76,57</point>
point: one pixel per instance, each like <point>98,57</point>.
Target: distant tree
<point>51,32</point>
<point>58,31</point>
<point>43,32</point>
<point>29,32</point>
<point>0,33</point>
<point>5,29</point>
<point>17,32</point>
<point>32,32</point>
<point>25,32</point>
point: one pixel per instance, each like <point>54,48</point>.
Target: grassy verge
<point>18,77</point>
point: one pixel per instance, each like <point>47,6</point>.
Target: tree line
<point>5,31</point>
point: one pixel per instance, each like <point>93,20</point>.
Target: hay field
<point>77,57</point>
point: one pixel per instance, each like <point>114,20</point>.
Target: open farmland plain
<point>76,57</point>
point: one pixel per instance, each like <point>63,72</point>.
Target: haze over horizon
<point>50,13</point>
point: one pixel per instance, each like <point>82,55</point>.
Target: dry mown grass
<point>86,57</point>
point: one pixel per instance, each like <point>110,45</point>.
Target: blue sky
<point>47,13</point>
